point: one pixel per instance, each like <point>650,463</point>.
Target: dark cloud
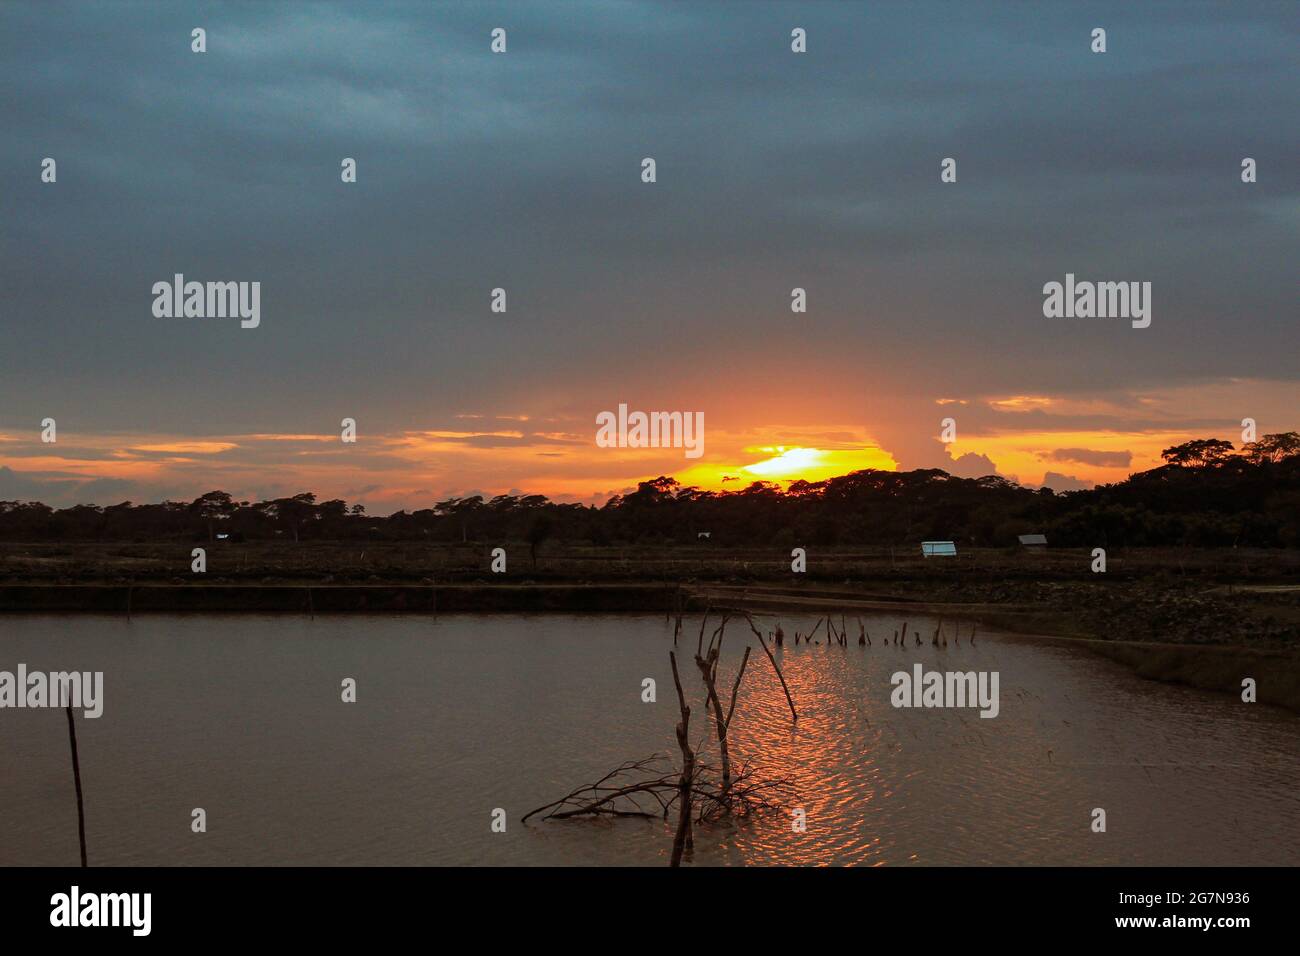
<point>521,171</point>
<point>1088,456</point>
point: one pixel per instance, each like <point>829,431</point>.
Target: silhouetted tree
<point>1273,447</point>
<point>1200,452</point>
<point>212,507</point>
<point>1204,495</point>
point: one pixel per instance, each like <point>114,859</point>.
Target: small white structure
<point>937,549</point>
<point>1034,540</point>
<point>702,534</point>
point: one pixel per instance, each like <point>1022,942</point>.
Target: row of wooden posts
<point>840,637</point>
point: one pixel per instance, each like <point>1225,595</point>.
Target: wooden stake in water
<point>76,778</point>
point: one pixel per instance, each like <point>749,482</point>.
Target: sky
<point>522,170</point>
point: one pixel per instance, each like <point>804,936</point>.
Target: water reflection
<point>460,715</point>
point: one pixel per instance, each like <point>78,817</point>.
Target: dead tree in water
<point>683,835</point>
<point>707,663</point>
<point>651,788</point>
<point>709,672</point>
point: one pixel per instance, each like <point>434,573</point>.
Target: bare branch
<point>731,710</point>
<point>776,667</point>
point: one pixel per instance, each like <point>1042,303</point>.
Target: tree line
<point>1206,494</point>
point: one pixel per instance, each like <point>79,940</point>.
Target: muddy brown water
<point>461,714</point>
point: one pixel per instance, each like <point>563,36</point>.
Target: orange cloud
<point>1090,437</point>
<point>188,447</point>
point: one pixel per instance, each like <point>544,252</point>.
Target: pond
<point>458,715</point>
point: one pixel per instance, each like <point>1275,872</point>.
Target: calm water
<point>461,714</point>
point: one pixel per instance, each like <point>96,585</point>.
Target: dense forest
<point>1206,494</point>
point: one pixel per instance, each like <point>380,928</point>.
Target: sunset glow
<point>815,464</point>
<point>1031,439</point>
